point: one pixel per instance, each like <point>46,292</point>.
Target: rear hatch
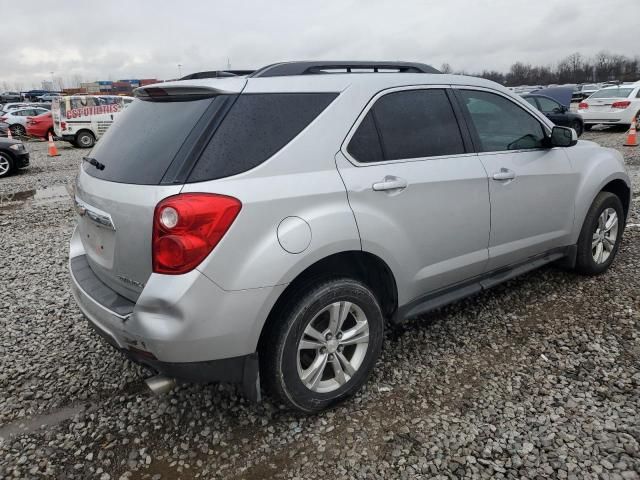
<point>145,156</point>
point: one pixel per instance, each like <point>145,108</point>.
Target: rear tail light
<point>187,227</point>
<point>622,105</point>
<point>583,106</point>
<point>63,125</point>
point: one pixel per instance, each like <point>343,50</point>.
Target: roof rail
<point>216,74</point>
<point>308,68</point>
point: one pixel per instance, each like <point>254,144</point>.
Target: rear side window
<point>405,125</point>
<point>256,127</point>
<point>143,141</point>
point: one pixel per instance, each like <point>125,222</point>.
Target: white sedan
<point>612,106</point>
<point>17,119</point>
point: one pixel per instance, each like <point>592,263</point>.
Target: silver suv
<point>262,228</point>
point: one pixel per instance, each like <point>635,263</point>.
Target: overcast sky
<point>113,39</point>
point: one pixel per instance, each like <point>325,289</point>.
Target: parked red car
<point>40,126</point>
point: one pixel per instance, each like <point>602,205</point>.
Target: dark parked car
<point>32,95</point>
<point>13,155</point>
<point>556,112</point>
<point>10,97</point>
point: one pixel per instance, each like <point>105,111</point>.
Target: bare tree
<point>446,68</point>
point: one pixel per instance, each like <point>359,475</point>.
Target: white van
<point>82,119</point>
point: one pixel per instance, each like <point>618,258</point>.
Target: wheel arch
<point>619,188</point>
<point>359,265</point>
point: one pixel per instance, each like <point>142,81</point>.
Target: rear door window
<point>500,124</point>
<point>406,125</point>
<point>256,127</point>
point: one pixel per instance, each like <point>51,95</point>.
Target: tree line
<point>575,68</point>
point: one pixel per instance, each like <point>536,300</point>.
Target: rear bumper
<point>610,118</point>
<point>38,132</point>
<point>182,326</point>
<point>242,370</point>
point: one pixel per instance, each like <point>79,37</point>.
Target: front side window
<point>406,125</point>
<point>548,105</point>
<point>500,124</point>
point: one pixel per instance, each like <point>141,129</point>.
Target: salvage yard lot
<point>539,377</point>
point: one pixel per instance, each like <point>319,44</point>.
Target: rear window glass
<point>256,127</point>
<point>613,93</point>
<point>143,141</point>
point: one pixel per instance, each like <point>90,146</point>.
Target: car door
<point>532,188</point>
<point>418,192</point>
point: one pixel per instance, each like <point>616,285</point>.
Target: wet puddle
<point>30,425</point>
<point>10,201</point>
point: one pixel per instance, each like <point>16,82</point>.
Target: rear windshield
<point>613,93</point>
<point>142,142</point>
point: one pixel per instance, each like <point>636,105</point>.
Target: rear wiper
<point>94,162</point>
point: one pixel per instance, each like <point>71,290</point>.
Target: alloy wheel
<point>605,236</point>
<point>333,347</point>
<point>5,165</point>
<point>18,130</point>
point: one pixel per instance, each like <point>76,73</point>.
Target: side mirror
<point>563,137</point>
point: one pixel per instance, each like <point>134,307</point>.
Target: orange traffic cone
<point>53,151</point>
<point>632,136</point>
<point>9,136</point>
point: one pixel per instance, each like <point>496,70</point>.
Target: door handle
<point>390,183</point>
<point>504,174</point>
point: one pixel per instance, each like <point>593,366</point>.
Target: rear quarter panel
<point>300,180</point>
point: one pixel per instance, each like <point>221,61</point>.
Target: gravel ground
<point>539,378</point>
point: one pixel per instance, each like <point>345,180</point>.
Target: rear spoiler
<point>180,91</point>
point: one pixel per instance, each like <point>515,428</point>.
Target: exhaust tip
<point>160,384</point>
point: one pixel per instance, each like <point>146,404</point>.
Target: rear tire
<point>324,345</point>
<point>6,164</point>
<point>600,235</point>
<point>85,139</point>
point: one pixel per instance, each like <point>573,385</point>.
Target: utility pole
<point>179,70</point>
<point>228,64</point>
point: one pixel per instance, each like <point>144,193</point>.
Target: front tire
<point>577,126</point>
<point>6,164</point>
<point>324,346</point>
<point>600,235</point>
<point>85,139</point>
